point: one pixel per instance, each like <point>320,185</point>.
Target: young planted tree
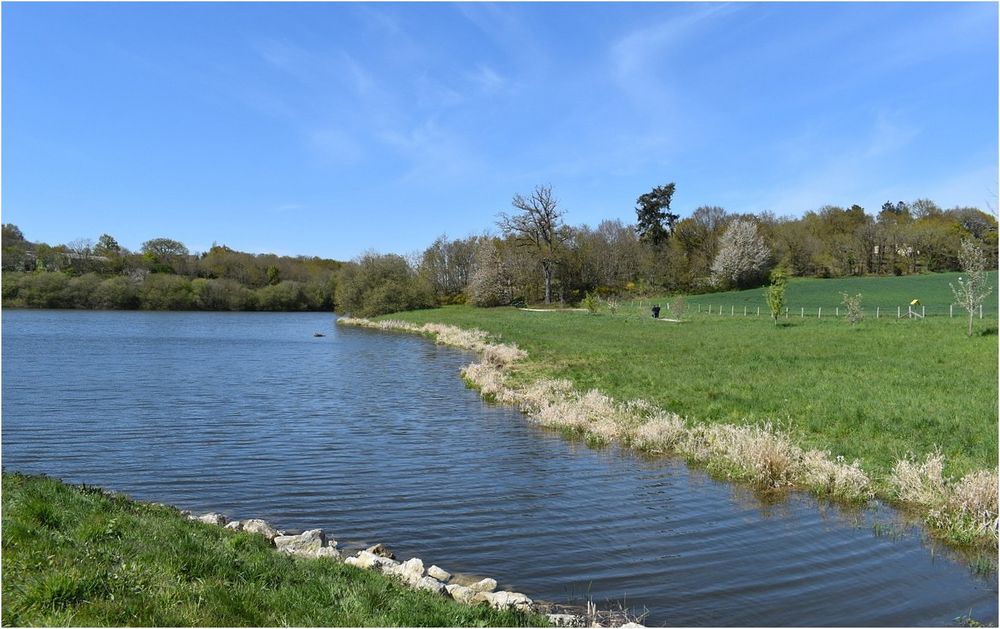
<point>539,226</point>
<point>852,304</point>
<point>973,288</point>
<point>775,293</point>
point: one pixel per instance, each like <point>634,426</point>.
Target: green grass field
<point>81,557</point>
<point>874,392</point>
<point>886,293</point>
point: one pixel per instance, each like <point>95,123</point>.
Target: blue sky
<point>330,129</point>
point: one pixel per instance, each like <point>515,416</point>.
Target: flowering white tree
<point>491,282</point>
<point>743,256</point>
<point>972,288</point>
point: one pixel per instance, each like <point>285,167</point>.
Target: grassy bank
<point>914,402</point>
<point>80,556</point>
<point>874,392</point>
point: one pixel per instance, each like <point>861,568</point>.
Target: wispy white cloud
<point>487,79</point>
<point>433,153</point>
<point>640,59</point>
<point>890,134</point>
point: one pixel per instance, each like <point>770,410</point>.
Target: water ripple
<point>373,437</point>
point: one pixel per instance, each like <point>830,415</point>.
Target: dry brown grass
<point>967,508</point>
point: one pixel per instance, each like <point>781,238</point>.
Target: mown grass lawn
<point>82,557</point>
<point>876,392</point>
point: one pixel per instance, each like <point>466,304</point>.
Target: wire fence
<point>826,312</point>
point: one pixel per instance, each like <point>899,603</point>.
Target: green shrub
<point>379,284</point>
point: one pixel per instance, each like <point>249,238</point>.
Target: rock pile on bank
<point>315,544</point>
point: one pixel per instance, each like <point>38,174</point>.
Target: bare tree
<point>538,225</point>
<point>973,288</point>
<point>743,257</point>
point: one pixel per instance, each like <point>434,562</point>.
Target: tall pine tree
<point>655,221</point>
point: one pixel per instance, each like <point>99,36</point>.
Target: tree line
<point>537,257</point>
<point>162,275</point>
<point>533,255</point>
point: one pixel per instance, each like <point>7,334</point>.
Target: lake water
<point>372,437</point>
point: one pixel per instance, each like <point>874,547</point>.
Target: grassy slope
<point>79,556</point>
<point>873,392</point>
<point>887,292</point>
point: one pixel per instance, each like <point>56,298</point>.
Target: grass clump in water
<point>82,556</point>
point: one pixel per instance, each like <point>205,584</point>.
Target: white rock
<point>567,620</point>
<point>431,584</point>
<point>414,567</point>
<point>368,561</point>
<point>234,526</point>
<point>305,544</point>
<point>439,574</point>
<point>504,600</point>
<point>485,585</point>
<point>260,527</point>
<point>330,552</point>
<point>632,625</point>
<point>461,593</point>
<point>212,518</point>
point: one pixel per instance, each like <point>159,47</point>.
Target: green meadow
<point>877,391</point>
<point>887,293</point>
<point>78,556</point>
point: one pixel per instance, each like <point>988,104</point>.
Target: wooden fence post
<point>744,311</point>
<point>758,311</point>
<point>732,311</point>
<point>980,311</point>
<point>923,312</point>
<point>802,314</point>
<point>951,312</point>
<point>838,311</point>
<point>877,310</point>
<point>819,315</point>
<point>898,315</point>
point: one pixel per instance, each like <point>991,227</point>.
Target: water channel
<point>373,437</point>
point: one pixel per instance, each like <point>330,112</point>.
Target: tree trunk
<point>971,314</point>
<point>547,270</point>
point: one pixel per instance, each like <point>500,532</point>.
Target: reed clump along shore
<point>961,510</point>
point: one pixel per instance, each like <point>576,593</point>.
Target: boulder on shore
<point>260,527</point>
<point>439,574</point>
<point>484,585</point>
<point>211,518</point>
<point>329,552</point>
<point>413,568</point>
<point>504,600</point>
<point>431,584</point>
<point>461,593</point>
<point>381,550</point>
<point>306,544</point>
<point>367,561</point>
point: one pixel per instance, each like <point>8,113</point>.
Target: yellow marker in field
<point>915,302</point>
